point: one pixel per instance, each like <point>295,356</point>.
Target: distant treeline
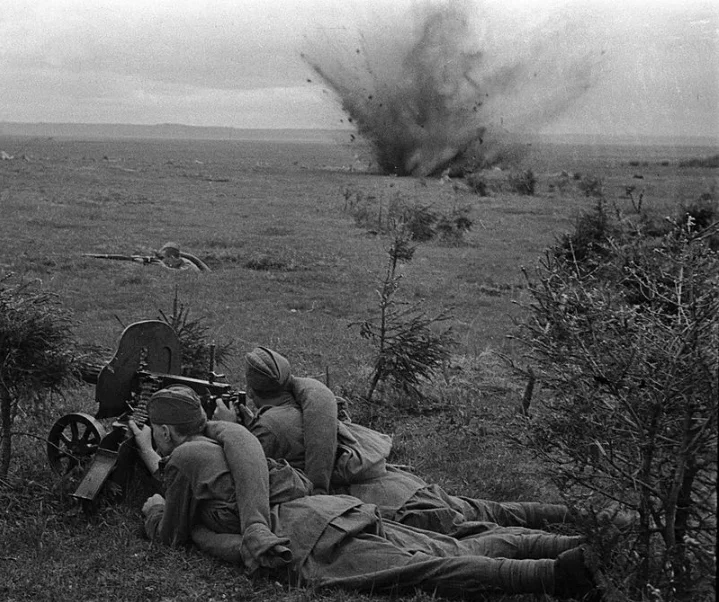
<point>163,131</point>
<point>712,161</point>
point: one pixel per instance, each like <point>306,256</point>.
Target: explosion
<point>449,92</point>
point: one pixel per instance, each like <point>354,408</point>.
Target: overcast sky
<point>237,62</point>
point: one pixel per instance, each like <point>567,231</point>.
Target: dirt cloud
<point>452,83</point>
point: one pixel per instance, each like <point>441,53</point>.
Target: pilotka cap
<point>266,370</point>
<point>174,405</point>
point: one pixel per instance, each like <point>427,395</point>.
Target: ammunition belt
<point>148,385</point>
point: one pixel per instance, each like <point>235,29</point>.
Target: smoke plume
<point>450,85</point>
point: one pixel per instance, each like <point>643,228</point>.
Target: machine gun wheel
<point>72,442</point>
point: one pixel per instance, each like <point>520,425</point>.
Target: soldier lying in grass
<point>231,506</point>
<point>171,257</point>
<point>297,421</point>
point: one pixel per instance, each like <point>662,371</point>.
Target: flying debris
<point>440,95</point>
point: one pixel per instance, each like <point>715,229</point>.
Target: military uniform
<point>400,495</point>
<point>231,507</point>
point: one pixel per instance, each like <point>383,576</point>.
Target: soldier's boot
<point>575,577</point>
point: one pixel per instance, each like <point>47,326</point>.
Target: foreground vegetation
<point>292,269</point>
<point>624,333</point>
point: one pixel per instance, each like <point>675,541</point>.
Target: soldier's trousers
<point>433,509</point>
<point>508,560</point>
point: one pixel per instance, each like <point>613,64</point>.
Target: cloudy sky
<point>238,62</point>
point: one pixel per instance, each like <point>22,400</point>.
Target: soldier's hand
<point>143,436</point>
<point>155,500</point>
<point>222,412</point>
<point>245,415</point>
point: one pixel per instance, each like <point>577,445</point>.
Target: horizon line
<point>707,139</point>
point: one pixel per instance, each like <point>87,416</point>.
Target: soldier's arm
<point>319,419</point>
<point>171,522</point>
<point>248,466</point>
<point>143,441</point>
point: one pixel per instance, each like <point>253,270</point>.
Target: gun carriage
<point>148,358</point>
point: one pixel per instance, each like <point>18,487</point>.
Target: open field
<point>290,270</point>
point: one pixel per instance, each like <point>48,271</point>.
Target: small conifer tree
<point>195,344</point>
<point>408,351</point>
<point>35,353</point>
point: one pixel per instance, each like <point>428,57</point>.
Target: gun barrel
<point>108,256</point>
<point>89,370</point>
<point>118,257</point>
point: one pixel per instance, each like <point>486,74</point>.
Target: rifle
<point>144,259</point>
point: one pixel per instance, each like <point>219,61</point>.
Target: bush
<point>196,348</point>
<point>267,263</point>
<point>477,184</point>
<point>523,182</point>
<point>561,182</point>
<point>591,186</point>
<point>36,353</point>
<point>587,245</point>
<point>419,221</point>
<point>630,357</point>
<point>701,213</point>
<point>422,222</point>
<point>452,228</point>
<point>702,216</point>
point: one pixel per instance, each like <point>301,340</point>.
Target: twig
<point>32,435</point>
<point>528,390</point>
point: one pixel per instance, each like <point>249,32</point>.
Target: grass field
<point>290,270</point>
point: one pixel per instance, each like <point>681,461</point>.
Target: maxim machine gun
<point>147,359</point>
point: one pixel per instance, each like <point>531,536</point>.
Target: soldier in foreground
<point>297,421</point>
<point>221,500</point>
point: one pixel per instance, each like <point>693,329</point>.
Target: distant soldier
<point>169,256</point>
<point>172,258</point>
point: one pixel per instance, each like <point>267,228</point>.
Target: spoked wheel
<point>72,442</point>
